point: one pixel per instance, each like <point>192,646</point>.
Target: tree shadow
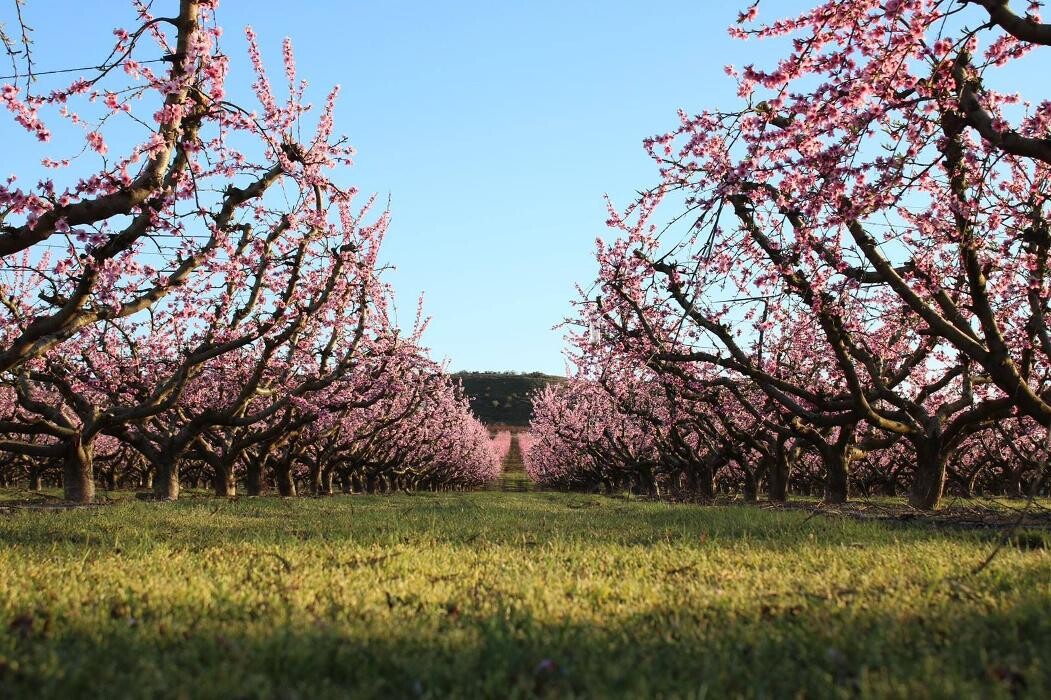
<point>409,596</point>
<point>779,649</point>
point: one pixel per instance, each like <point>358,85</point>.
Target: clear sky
<point>495,126</point>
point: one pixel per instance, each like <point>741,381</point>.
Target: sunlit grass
<point>509,594</point>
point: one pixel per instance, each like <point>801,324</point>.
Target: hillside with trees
<point>504,398</point>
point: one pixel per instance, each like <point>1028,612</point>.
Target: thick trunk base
<point>837,482</point>
<point>928,483</point>
<point>224,484</point>
<point>286,485</point>
<point>777,485</point>
<point>253,480</point>
<point>166,483</point>
<point>78,479</point>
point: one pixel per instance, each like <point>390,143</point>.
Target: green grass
<point>509,594</point>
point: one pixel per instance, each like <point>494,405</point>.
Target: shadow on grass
<point>781,651</point>
<point>506,595</point>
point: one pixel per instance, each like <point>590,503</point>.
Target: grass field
<point>509,594</point>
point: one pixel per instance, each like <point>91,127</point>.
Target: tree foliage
<point>206,302</point>
<point>845,274</point>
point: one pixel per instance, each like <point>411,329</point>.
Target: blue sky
<point>495,127</point>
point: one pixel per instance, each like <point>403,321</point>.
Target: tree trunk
<point>929,479</point>
<point>837,481</point>
<point>166,481</point>
<point>78,479</point>
<point>1013,487</point>
<point>316,478</point>
<point>223,482</point>
<point>253,478</point>
<point>327,479</point>
<point>777,476</point>
<point>286,485</point>
<point>703,478</point>
<point>35,482</point>
<point>751,487</point>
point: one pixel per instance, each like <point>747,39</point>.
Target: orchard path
<point>513,476</point>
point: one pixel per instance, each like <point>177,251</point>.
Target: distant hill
<point>503,397</point>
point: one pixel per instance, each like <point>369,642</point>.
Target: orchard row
<point>191,292</point>
<point>839,283</point>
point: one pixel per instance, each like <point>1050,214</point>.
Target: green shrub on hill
<point>504,397</point>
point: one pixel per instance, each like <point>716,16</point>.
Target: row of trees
<point>502,444</point>
<point>656,442</point>
<point>850,289</point>
<point>208,304</point>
